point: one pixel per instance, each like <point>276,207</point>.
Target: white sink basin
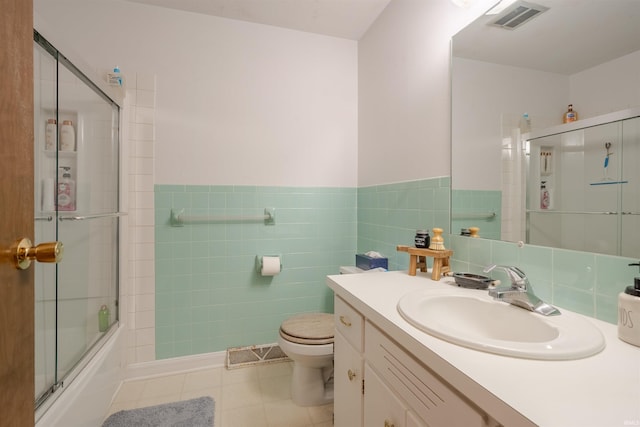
<point>471,318</point>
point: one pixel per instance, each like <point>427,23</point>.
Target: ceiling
<point>572,36</point>
<point>348,19</point>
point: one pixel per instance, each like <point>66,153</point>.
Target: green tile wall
<point>389,215</point>
<point>208,294</point>
<point>583,282</point>
<point>470,206</point>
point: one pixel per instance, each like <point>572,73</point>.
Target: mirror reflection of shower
<point>581,186</point>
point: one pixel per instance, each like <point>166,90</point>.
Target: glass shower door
<point>77,203</point>
<point>630,243</point>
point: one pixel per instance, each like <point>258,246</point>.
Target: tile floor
<point>253,396</point>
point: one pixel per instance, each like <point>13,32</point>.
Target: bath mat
<point>187,413</point>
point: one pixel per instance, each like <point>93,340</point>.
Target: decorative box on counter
<point>371,260</point>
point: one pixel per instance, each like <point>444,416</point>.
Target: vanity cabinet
<point>398,390</point>
<point>349,367</point>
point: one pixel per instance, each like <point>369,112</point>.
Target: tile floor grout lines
<point>256,396</point>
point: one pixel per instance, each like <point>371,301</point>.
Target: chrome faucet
<point>520,293</point>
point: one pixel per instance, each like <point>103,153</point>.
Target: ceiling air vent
<point>517,14</point>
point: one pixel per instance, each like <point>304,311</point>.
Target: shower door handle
<point>23,252</point>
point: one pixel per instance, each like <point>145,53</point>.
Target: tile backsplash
<point>583,282</point>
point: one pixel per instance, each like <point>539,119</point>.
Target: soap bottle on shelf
<point>103,318</point>
<point>629,312</point>
<point>67,136</point>
<point>115,78</point>
<point>66,191</point>
<point>50,133</point>
<point>570,115</point>
<point>545,199</point>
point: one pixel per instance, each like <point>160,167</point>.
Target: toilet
<point>308,340</point>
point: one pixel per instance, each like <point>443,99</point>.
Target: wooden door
<point>16,218</point>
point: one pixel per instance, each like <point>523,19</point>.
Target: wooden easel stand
<point>418,259</point>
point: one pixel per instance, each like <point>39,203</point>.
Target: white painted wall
<point>486,99</point>
<point>609,87</point>
<point>237,103</point>
<point>404,91</point>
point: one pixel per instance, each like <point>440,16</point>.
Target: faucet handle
<point>518,279</point>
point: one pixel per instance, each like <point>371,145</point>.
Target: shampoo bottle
<point>115,78</point>
<point>50,133</point>
<point>103,318</point>
<point>629,313</point>
<point>570,115</point>
<point>66,200</point>
<point>545,198</point>
<point>67,136</point>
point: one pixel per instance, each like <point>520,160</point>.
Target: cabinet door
<point>348,376</point>
<point>381,407</point>
<point>421,389</point>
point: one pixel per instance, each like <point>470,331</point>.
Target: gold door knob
<point>25,252</point>
<point>388,423</point>
<point>351,375</point>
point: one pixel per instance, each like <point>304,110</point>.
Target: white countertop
<point>598,391</point>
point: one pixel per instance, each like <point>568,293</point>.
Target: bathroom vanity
<point>388,373</point>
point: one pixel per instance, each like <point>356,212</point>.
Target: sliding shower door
<point>630,156</point>
<point>76,201</point>
<point>583,188</point>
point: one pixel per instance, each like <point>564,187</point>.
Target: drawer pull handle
<point>351,375</point>
<point>345,321</point>
<point>388,423</point>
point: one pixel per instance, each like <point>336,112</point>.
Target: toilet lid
<point>308,328</point>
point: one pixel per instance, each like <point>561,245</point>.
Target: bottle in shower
<point>66,200</point>
<point>103,318</point>
<point>545,198</point>
<point>50,133</point>
<point>67,136</point>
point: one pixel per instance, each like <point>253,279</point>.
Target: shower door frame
<point>64,375</point>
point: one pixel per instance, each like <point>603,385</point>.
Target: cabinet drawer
<point>432,400</point>
<point>349,323</point>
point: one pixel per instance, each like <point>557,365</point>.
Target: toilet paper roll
<point>270,265</point>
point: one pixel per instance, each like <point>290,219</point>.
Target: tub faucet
<point>520,293</point>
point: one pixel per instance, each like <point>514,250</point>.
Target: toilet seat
<point>309,329</point>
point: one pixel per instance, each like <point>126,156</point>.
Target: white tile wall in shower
<point>141,292</point>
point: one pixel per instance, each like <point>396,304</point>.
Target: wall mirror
<point>512,81</point>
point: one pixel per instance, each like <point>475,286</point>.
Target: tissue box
<point>366,262</point>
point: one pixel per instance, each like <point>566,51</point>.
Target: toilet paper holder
<point>260,265</point>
